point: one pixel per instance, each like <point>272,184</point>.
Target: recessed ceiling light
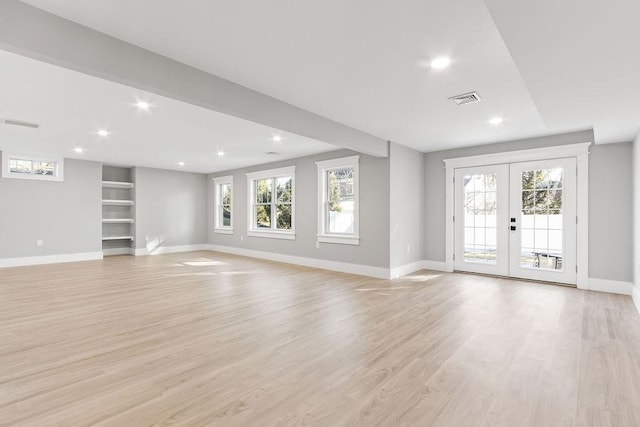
<point>78,150</point>
<point>180,163</point>
<point>143,105</point>
<point>276,138</point>
<point>220,153</point>
<point>440,63</point>
<point>103,132</point>
<point>496,120</point>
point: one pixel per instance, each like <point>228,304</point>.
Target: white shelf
<point>117,220</point>
<point>104,238</point>
<point>117,184</point>
<point>118,202</point>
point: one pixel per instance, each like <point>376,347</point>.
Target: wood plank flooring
<point>204,338</point>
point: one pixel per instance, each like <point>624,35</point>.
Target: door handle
<point>513,228</point>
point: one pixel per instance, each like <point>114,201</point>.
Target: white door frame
<point>580,151</point>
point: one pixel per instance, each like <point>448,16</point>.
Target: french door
<point>517,220</point>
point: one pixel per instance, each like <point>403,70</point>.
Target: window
<point>338,204</point>
<point>223,214</point>
<point>272,203</point>
<point>27,167</point>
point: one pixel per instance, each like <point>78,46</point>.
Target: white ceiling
<point>580,60</point>
<point>361,62</point>
<point>70,107</point>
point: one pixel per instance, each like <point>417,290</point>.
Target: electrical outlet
<point>39,243</point>
<point>317,245</point>
<point>241,238</point>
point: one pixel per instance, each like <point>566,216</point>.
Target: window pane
<point>226,216</point>
<point>44,168</point>
<point>283,189</point>
<point>263,190</point>
<point>20,166</point>
<point>342,217</point>
<point>263,216</point>
<point>340,201</point>
<point>225,193</point>
<point>283,216</point>
<point>340,183</point>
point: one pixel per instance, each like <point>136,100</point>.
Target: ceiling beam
<point>32,32</point>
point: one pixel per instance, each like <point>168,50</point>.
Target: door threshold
<point>518,279</point>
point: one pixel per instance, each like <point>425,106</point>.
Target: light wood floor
<point>204,338</point>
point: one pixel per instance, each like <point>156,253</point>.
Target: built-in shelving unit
<point>117,184</point>
<point>118,213</point>
<point>105,238</point>
<point>115,202</point>
<point>117,220</point>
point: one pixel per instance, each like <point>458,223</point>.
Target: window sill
<point>223,230</point>
<point>339,240</point>
<point>272,234</point>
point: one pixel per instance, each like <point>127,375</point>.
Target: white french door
<point>517,220</point>
<point>481,210</point>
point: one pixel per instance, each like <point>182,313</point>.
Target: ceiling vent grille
<point>466,98</point>
<point>20,123</point>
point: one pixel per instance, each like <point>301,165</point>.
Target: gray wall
<point>407,205</point>
<point>636,214</point>
<point>374,213</point>
<point>171,207</point>
<point>611,211</point>
<point>610,171</point>
<point>65,215</point>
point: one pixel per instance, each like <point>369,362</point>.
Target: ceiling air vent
<point>466,98</point>
<point>20,123</point>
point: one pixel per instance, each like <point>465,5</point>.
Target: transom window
<point>27,167</point>
<point>223,216</point>
<point>338,202</point>
<point>271,203</point>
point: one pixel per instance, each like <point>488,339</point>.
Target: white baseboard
<point>435,265</point>
<point>170,249</point>
<point>342,267</point>
<point>611,286</point>
<point>403,270</point>
<point>636,297</point>
<point>49,259</point>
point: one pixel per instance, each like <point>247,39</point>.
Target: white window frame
<point>57,176</point>
<point>218,226</point>
<point>324,167</point>
<point>273,233</point>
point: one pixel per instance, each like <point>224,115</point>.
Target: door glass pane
<point>541,219</point>
<point>480,233</point>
